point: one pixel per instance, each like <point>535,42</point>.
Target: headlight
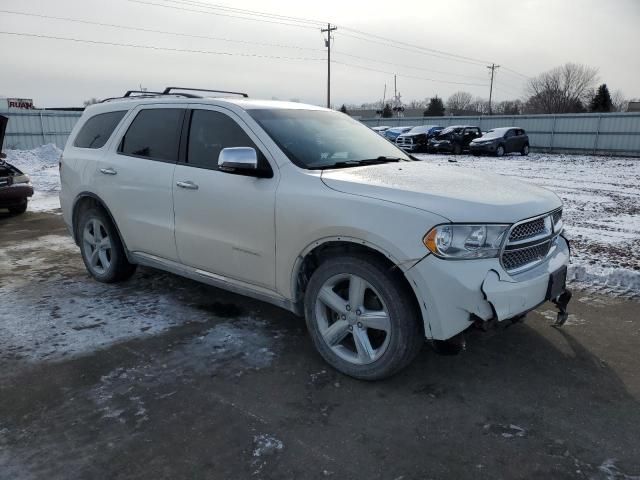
<point>21,178</point>
<point>465,241</point>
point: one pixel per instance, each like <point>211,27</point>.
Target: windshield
<point>497,133</point>
<point>316,139</point>
<point>449,130</point>
<point>421,129</point>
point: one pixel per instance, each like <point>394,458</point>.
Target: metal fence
<point>31,128</point>
<point>591,133</point>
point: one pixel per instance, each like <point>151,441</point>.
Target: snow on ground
<point>41,164</point>
<point>601,198</point>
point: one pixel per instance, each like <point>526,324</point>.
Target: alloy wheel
<point>353,319</point>
<point>97,246</point>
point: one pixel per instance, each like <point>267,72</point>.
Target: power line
<point>408,66</point>
<point>412,50</point>
<point>359,34</point>
<point>408,76</point>
<point>221,14</point>
<point>432,50</point>
<point>152,47</point>
<point>517,73</point>
<point>213,6</point>
<point>148,30</point>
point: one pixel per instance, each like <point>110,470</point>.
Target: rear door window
<point>154,134</point>
<point>97,130</point>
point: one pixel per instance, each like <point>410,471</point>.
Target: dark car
<point>500,141</point>
<point>416,139</point>
<point>454,139</point>
<point>15,186</point>
<point>393,133</point>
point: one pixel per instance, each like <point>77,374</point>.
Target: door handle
<point>188,184</point>
<point>108,171</point>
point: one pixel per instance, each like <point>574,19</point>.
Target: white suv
<point>308,209</point>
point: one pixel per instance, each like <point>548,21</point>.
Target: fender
<point>404,267</point>
<point>74,219</point>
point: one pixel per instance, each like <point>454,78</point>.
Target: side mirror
<point>238,159</point>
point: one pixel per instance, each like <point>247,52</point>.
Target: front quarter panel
<point>308,213</point>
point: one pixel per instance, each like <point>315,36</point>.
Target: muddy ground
<point>161,377</point>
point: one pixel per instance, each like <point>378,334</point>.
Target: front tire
<point>361,318</point>
<point>19,209</point>
<point>500,151</point>
<point>102,250</point>
<point>525,151</point>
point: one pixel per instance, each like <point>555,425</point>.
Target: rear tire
<point>102,250</point>
<point>374,338</point>
<point>525,151</point>
<point>18,209</point>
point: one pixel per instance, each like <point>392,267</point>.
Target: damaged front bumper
<point>457,293</point>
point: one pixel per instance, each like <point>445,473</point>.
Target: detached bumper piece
<point>561,302</point>
<point>559,294</point>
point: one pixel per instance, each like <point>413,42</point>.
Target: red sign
<point>22,103</point>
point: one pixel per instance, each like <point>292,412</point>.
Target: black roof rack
<point>167,91</point>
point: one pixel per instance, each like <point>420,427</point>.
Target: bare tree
<point>509,107</point>
<point>619,101</point>
<point>459,102</point>
<point>91,101</point>
<point>479,106</point>
<point>563,89</point>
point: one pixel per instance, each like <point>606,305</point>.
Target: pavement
<point>161,377</point>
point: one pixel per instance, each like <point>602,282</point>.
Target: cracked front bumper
<point>454,293</point>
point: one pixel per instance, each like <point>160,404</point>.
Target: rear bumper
<point>15,195</point>
<point>455,293</point>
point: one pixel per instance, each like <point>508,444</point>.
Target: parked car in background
<point>15,186</point>
<point>381,129</point>
<point>500,141</point>
<point>392,133</point>
<point>308,209</point>
<point>416,139</point>
<point>454,139</point>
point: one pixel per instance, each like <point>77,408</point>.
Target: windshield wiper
<point>366,161</point>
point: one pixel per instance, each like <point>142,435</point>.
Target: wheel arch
<point>319,251</point>
<point>86,200</point>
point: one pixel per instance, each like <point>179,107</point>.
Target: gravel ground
<point>161,377</point>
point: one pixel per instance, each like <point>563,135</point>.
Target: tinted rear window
<point>97,130</point>
<point>154,133</point>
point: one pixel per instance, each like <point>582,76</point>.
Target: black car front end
<point>487,147</point>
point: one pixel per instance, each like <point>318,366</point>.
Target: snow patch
<point>41,164</point>
<point>265,445</point>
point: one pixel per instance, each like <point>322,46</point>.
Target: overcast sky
<point>525,36</point>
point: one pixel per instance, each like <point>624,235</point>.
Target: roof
<point>122,103</point>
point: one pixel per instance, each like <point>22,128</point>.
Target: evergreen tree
<point>435,108</point>
<point>601,101</point>
<point>387,112</point>
<point>343,108</point>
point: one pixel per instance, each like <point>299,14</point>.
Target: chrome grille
<point>530,241</point>
<point>557,216</point>
<point>513,259</point>
<point>527,229</point>
<point>404,141</point>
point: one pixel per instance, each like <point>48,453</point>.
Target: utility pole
<point>493,69</point>
<point>327,44</point>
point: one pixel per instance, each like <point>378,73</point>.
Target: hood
<point>458,194</point>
